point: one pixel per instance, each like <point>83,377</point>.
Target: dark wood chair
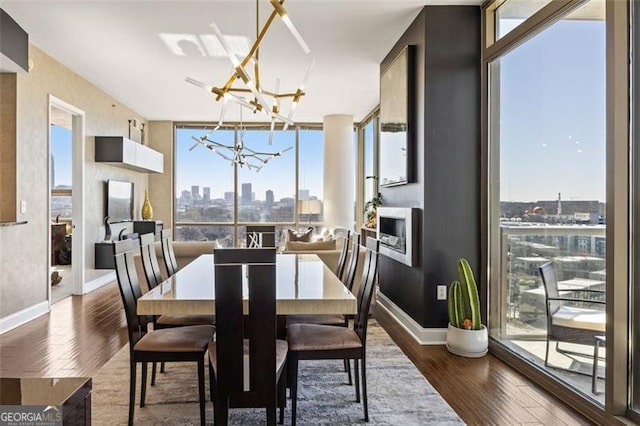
<point>182,344</point>
<point>246,366</point>
<point>344,251</point>
<point>168,255</point>
<point>154,277</point>
<point>347,280</point>
<point>261,236</point>
<point>571,319</point>
<point>316,341</point>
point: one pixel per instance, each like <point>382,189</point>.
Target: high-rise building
<point>268,197</point>
<point>303,194</point>
<point>206,194</point>
<point>246,196</point>
<point>195,192</point>
<point>228,197</point>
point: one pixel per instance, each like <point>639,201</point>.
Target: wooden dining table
<point>304,285</point>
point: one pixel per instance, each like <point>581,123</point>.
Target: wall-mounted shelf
<point>124,152</point>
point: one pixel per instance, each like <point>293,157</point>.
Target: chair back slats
<point>168,254</point>
<point>261,320</point>
<point>550,284</point>
<point>150,261</point>
<point>367,285</point>
<point>130,291</point>
<point>261,236</point>
<point>350,276</point>
<point>344,251</point>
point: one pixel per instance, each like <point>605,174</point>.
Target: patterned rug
<point>398,393</point>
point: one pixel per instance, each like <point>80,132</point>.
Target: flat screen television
<point>119,201</point>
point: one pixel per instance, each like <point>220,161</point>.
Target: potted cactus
<point>466,336</point>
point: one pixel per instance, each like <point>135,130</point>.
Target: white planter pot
<point>468,343</point>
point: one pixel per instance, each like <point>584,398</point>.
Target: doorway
<point>65,212</point>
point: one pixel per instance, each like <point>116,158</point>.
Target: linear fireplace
<point>398,233</point>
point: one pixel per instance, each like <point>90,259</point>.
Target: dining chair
<point>252,364</point>
<point>316,341</point>
<point>347,280</point>
<point>344,251</point>
<point>154,278</point>
<point>182,344</point>
<point>260,236</point>
<point>569,319</point>
<point>168,255</point>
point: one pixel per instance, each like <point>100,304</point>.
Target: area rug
<point>398,393</point>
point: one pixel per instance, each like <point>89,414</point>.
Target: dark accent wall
<point>14,41</point>
<point>447,187</point>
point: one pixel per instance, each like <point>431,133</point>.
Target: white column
<point>339,171</point>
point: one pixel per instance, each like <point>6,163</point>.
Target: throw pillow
<point>304,236</point>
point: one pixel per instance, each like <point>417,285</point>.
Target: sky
<point>552,115</point>
<point>61,151</point>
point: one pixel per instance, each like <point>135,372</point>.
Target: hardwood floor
<point>483,391</point>
<point>81,334</point>
<point>77,337</point>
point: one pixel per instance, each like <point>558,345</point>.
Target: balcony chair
<point>182,344</point>
<point>154,278</point>
<point>567,322</point>
<point>168,255</point>
<point>316,341</point>
<point>251,366</point>
<point>261,236</point>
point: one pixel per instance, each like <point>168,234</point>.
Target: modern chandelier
<point>260,99</point>
<point>238,153</point>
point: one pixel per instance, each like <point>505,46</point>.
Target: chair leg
<point>201,390</point>
<point>364,389</point>
<point>293,370</point>
<point>162,367</point>
<point>221,410</point>
<point>546,357</point>
<point>211,384</point>
<point>132,391</point>
<point>347,364</point>
<point>356,371</point>
<point>271,410</point>
<point>153,374</point>
<point>143,384</point>
<point>282,393</point>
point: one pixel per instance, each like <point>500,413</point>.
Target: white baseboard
<point>424,336</point>
<point>99,282</point>
<point>16,319</point>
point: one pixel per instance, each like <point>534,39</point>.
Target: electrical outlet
<point>442,292</point>
<point>23,206</point>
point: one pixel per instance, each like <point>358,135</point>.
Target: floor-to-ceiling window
<point>547,138</point>
<point>216,198</point>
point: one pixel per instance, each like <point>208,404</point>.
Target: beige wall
<point>24,248</point>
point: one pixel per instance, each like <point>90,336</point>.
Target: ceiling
<point>140,52</point>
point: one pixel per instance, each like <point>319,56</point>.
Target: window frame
<point>235,224</point>
<point>617,199</point>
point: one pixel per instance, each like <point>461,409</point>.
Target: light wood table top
<point>304,285</point>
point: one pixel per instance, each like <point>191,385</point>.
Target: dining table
<point>304,285</point>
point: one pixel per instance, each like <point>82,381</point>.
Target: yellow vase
<point>147,210</point>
